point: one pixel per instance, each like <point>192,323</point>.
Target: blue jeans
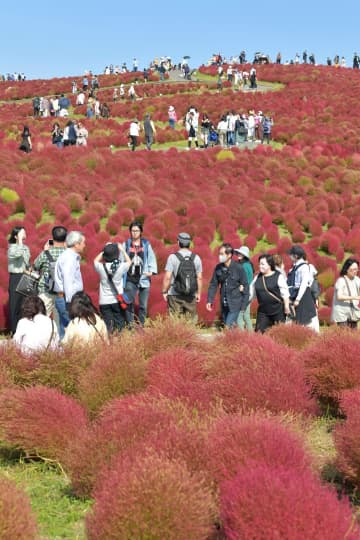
<point>229,317</point>
<point>244,320</point>
<point>143,292</point>
<point>64,318</point>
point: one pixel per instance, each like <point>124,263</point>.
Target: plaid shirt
<point>41,264</point>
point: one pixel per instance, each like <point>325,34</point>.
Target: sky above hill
<point>45,39</point>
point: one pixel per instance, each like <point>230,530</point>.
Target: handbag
<point>354,310</point>
<point>28,284</point>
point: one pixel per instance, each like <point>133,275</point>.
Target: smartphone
<point>51,242</point>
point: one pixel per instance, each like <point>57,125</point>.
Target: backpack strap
<point>49,256</point>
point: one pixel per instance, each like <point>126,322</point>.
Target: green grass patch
<point>8,195</point>
<point>58,513</point>
<point>17,216</point>
<point>46,217</point>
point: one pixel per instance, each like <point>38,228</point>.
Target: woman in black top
<point>26,145</point>
<point>272,294</point>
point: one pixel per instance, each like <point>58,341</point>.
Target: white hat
<point>243,250</point>
<point>171,108</point>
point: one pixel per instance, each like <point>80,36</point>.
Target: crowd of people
<point>61,311</point>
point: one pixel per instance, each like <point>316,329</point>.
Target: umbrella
<point>186,57</point>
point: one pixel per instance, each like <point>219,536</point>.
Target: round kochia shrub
<point>347,437</point>
<point>266,503</point>
<point>40,420</point>
<point>294,336</point>
<point>331,364</point>
<point>249,371</point>
<point>236,440</point>
<point>16,520</point>
<point>130,425</point>
<point>152,497</point>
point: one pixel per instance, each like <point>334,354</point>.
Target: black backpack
<point>185,283</point>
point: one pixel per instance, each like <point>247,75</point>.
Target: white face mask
<point>222,258</point>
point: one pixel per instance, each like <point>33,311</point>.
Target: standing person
<point>57,135</point>
<point>69,137</point>
<point>149,131</point>
<point>205,129</point>
<point>132,93</point>
<point>143,266</point>
<point>36,106</point>
<point>243,253</point>
<point>172,117</point>
<point>134,133</point>
<point>68,278</point>
<point>115,95</point>
<point>44,264</point>
<point>18,255</point>
<point>191,126</point>
<point>111,271</point>
<point>272,294</point>
<point>222,131</point>
<point>299,280</point>
<point>26,144</point>
<point>182,282</point>
<point>267,125</point>
<point>81,134</point>
<point>345,308</point>
<point>234,287</point>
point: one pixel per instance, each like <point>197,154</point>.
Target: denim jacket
<point>150,264</point>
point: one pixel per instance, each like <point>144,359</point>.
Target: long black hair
<point>14,233</point>
<point>347,265</point>
<point>81,306</point>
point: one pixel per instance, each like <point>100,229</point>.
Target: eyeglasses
<point>135,230</point>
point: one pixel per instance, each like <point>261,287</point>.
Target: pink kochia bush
<point>16,520</point>
<point>294,336</point>
<point>236,440</point>
<point>40,420</point>
<point>152,497</point>
<point>264,502</point>
<point>249,371</point>
<point>331,364</point>
<point>347,437</point>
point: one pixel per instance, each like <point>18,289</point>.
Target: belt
<point>61,294</point>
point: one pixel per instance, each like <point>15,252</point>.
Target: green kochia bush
<point>16,520</point>
<point>152,498</point>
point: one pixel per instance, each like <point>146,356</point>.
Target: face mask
<point>222,258</point>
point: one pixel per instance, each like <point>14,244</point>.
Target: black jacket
<point>230,278</point>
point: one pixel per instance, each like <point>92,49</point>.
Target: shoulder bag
<point>123,299</point>
<point>354,310</point>
<point>28,284</point>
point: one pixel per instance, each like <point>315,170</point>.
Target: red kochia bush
<point>293,335</point>
<point>167,333</point>
<point>347,437</point>
<point>123,423</point>
<point>250,371</point>
<point>179,373</point>
<point>40,420</point>
<point>151,498</point>
<point>266,503</point>
<point>331,364</point>
<point>236,440</point>
<point>16,520</point>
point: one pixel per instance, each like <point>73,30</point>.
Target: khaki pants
<point>178,306</point>
<point>51,311</point>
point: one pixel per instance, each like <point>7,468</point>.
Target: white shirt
<point>134,129</point>
<point>36,334</point>
<point>80,330</point>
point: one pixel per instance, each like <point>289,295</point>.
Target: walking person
<point>346,301</point>
<point>272,293</point>
<point>18,256</point>
<point>182,281</point>
<point>134,133</point>
<point>243,254</point>
<point>149,131</point>
<point>234,288</point>
<point>137,280</point>
<point>299,280</point>
<point>26,144</point>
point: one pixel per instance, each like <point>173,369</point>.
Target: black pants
<point>15,301</point>
<point>264,321</point>
<point>114,317</point>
